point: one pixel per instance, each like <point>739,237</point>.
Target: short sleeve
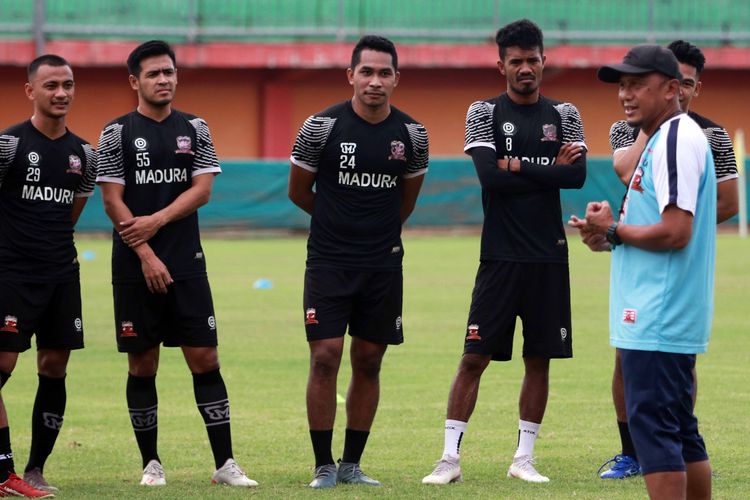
<point>8,148</point>
<point>479,126</point>
<point>205,161</point>
<point>722,150</point>
<point>110,166</point>
<point>86,186</point>
<point>420,150</point>
<point>310,142</point>
<point>572,125</point>
<point>621,135</point>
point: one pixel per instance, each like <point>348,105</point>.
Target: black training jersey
<point>39,178</point>
<point>156,162</point>
<point>622,135</point>
<point>522,215</point>
<point>356,221</point>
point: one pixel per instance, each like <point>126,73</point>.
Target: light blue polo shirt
<point>663,300</point>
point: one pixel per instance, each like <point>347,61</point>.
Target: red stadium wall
<point>255,113</point>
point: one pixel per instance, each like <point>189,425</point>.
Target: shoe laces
<point>527,464</point>
<point>154,470</point>
<point>234,470</point>
<point>321,471</point>
<point>443,465</point>
<point>614,461</point>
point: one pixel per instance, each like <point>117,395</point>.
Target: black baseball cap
<point>642,59</point>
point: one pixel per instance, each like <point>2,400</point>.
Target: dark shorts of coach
<point>52,311</point>
<point>659,402</point>
<point>184,316</point>
<point>538,293</point>
<point>369,302</point>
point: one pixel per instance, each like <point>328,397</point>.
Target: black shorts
<point>52,311</point>
<point>538,293</point>
<point>659,403</point>
<point>184,316</point>
<point>368,302</point>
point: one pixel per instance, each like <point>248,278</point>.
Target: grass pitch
<point>264,361</point>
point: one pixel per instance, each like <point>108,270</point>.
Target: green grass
<point>264,362</point>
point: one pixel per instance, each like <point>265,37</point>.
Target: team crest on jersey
<point>637,178</point>
<point>33,158</point>
<point>74,165</point>
<point>10,324</point>
<point>127,330</point>
<point>398,151</point>
<point>348,148</point>
<point>140,143</point>
<point>310,316</point>
<point>629,316</point>
<point>549,131</point>
<point>508,128</point>
<point>472,332</point>
<point>183,144</point>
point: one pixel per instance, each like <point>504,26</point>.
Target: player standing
<point>46,175</point>
<point>367,161</point>
<point>525,148</point>
<point>156,168</point>
<point>628,143</point>
<point>662,273</point>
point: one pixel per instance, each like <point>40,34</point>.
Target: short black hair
<point>689,54</point>
<point>522,33</point>
<point>49,60</point>
<point>148,49</point>
<point>377,43</point>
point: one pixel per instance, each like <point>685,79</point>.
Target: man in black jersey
<point>525,148</point>
<point>628,143</point>
<point>367,161</point>
<point>156,168</point>
<point>46,175</point>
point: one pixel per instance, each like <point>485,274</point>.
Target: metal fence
<point>715,22</point>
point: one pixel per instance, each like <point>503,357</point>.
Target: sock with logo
<point>6,455</point>
<point>143,405</point>
<point>321,443</point>
<point>213,404</point>
<point>46,419</point>
<point>454,433</point>
<point>527,434</point>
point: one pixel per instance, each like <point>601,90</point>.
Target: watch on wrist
<point>612,237</point>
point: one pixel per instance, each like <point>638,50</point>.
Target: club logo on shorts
<point>563,334</point>
<point>629,316</point>
<point>398,151</point>
<point>183,144</point>
<point>74,165</point>
<point>78,324</point>
<point>127,330</point>
<point>212,323</point>
<point>637,177</point>
<point>310,316</point>
<point>10,324</point>
<point>398,323</point>
<point>508,128</point>
<point>140,143</point>
<point>33,158</point>
<point>472,332</point>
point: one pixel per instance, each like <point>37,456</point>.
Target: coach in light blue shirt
<point>662,277</point>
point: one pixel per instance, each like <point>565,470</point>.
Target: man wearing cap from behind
<point>662,272</point>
